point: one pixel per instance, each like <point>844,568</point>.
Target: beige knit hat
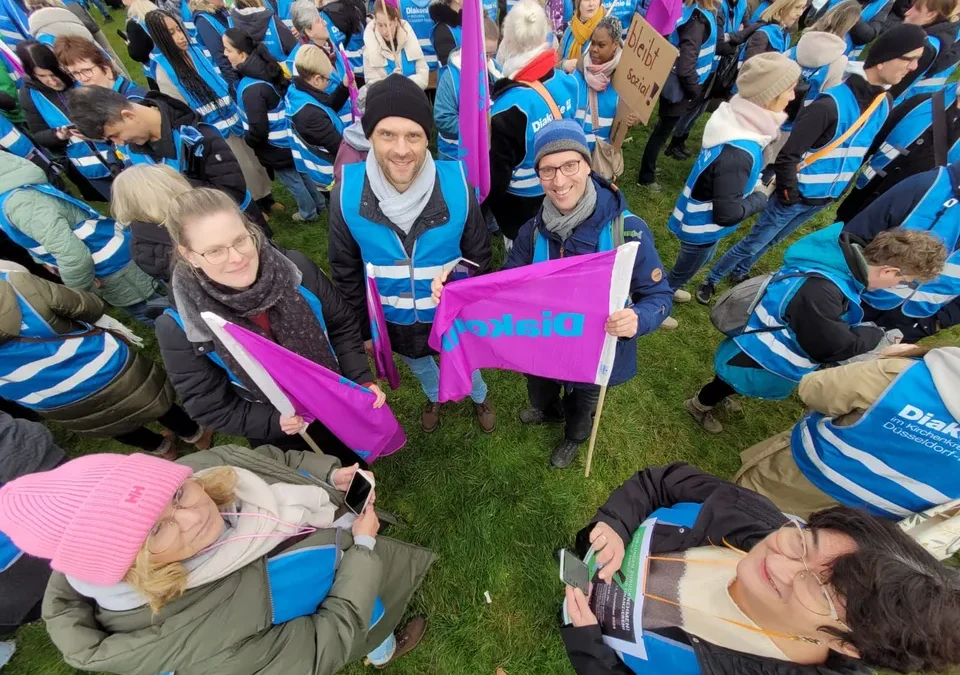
<point>766,76</point>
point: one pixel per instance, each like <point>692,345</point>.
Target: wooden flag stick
<point>313,446</point>
<point>596,427</point>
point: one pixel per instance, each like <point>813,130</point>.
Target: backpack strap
<point>538,87</point>
<point>940,142</point>
<point>756,301</point>
<point>830,147</point>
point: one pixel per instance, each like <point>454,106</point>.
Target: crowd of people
<point>191,557</point>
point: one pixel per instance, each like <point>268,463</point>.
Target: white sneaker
<point>669,324</point>
<point>681,295</point>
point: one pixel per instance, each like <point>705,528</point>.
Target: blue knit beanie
<point>560,136</point>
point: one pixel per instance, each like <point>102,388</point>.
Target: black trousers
<point>658,137</point>
<point>325,439</point>
<point>176,420</point>
<point>714,392</point>
<point>577,406</point>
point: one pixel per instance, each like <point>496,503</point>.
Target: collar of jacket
<point>610,203</point>
<point>862,90</point>
<point>440,12</point>
<point>717,660</point>
<point>308,88</point>
<point>434,214</point>
<point>164,146</point>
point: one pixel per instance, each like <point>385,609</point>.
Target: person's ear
<point>127,115</point>
<point>188,255</point>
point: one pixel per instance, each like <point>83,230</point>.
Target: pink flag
<point>474,99</point>
<point>344,407</point>
<point>662,15</point>
<point>544,319</point>
<point>351,84</point>
<point>382,352</point>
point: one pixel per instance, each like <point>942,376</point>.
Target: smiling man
<point>404,217</point>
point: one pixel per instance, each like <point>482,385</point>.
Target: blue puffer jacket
<point>651,296</point>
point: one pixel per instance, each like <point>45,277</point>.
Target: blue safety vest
<point>566,44</point>
<point>13,141</point>
<point>129,89</point>
<point>108,242</point>
<point>91,158</point>
<point>609,239</point>
<point>708,49</point>
<point>733,15</point>
<point>14,26</point>
<point>913,125</point>
<point>186,18</point>
<point>898,459</point>
<point>337,77</point>
<point>404,281</point>
<point>282,9</point>
<point>226,118</point>
<point>563,88</point>
<point>814,77</point>
<point>492,9</point>
<point>622,9</point>
<point>457,32</point>
<point>929,82</point>
<point>867,14</point>
<point>692,220</point>
<point>61,369</point>
<point>271,39</point>
<point>309,159</point>
<point>213,20</point>
<point>606,111</point>
<point>778,38</point>
<point>9,553</point>
<point>279,128</point>
<point>829,176</point>
<point>406,67</point>
<point>937,212</point>
<point>448,148</point>
<point>758,12</point>
<point>417,14</point>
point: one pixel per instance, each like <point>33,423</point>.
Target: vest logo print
<point>547,119</point>
<point>925,419</point>
<point>565,324</point>
<point>135,495</point>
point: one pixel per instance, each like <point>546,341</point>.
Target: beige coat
<point>843,393</point>
<point>376,53</point>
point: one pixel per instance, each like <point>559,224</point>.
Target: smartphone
<point>464,269</point>
<point>573,571</point>
<point>358,494</point>
<point>122,35</point>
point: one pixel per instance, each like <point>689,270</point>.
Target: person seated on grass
<point>731,585</point>
<point>228,561</point>
<point>810,314</point>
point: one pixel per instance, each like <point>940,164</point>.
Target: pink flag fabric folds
<point>474,99</point>
<point>382,351</point>
<point>351,85</point>
<point>344,407</point>
<point>663,15</point>
<point>544,319</point>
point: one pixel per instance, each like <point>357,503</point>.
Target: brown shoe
<point>430,417</point>
<point>408,637</point>
<point>203,440</point>
<point>486,416</point>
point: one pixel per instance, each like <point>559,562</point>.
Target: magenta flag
<point>344,407</point>
<point>544,319</point>
<point>382,351</point>
<point>474,99</point>
<point>351,84</point>
<point>662,15</point>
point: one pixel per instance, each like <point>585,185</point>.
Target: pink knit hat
<point>91,516</point>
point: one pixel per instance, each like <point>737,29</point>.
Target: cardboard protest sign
<point>646,62</point>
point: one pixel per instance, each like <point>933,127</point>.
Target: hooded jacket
<point>443,39</point>
<point>228,625</point>
<point>256,20</point>
<point>313,125</point>
<point>49,221</point>
<point>259,100</point>
<point>376,53</point>
<point>210,38</point>
<point>932,61</point>
<point>816,49</point>
<point>349,16</point>
<point>353,149</point>
<point>56,22</point>
<point>650,293</point>
<point>39,129</point>
<point>151,248</point>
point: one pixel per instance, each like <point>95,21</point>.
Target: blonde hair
<point>202,6</point>
<point>525,28</point>
<point>776,11</point>
<point>839,19</point>
<point>312,61</point>
<point>161,584</point>
<point>143,193</point>
<point>138,9</point>
<point>202,203</point>
<point>709,5</point>
<point>33,5</point>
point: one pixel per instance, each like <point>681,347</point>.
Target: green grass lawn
<point>489,505</point>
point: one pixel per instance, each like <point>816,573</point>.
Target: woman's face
<point>179,38</point>
<point>779,580</point>
<point>386,26</point>
<point>190,523</point>
<point>88,74</point>
<point>234,55</point>
<point>48,79</point>
<point>780,103</point>
<point>223,248</point>
<point>318,33</point>
<point>602,46</point>
<point>792,15</point>
<point>588,8</point>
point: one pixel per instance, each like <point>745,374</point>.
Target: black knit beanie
<point>896,42</point>
<point>396,96</point>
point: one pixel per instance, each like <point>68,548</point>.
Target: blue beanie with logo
<point>560,136</point>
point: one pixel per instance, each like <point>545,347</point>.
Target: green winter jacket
<point>225,627</point>
<point>8,86</point>
<point>49,220</point>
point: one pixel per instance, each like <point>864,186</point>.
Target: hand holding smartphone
<point>573,572</point>
<point>464,269</point>
<point>359,492</point>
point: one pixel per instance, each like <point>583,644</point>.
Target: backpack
<point>734,308</point>
<point>800,93</point>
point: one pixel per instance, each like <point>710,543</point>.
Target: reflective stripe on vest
<point>13,141</point>
<point>937,212</point>
<point>708,49</point>
<point>186,18</point>
<point>692,220</point>
<point>829,176</point>
<point>309,159</point>
<point>337,77</point>
<point>278,134</point>
<point>14,26</point>
<point>226,118</point>
<point>899,458</point>
<point>89,157</point>
<point>58,372</point>
<point>565,92</point>
<point>212,19</point>
<point>404,281</point>
<point>607,110</point>
<point>109,244</point>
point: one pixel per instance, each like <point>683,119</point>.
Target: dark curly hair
<point>902,605</point>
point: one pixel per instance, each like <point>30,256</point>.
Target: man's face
<point>128,129</point>
<point>564,177</point>
<point>891,72</point>
<point>400,146</point>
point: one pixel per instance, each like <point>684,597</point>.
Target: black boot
<point>564,453</point>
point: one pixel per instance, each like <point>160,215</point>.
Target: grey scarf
<point>404,208</point>
<point>563,224</point>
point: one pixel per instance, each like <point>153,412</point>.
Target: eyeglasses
<point>165,532</point>
<point>82,73</point>
<point>568,169</point>
<point>811,591</point>
<point>245,245</point>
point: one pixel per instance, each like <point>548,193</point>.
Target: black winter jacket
<point>349,16</point>
<point>932,61</point>
<point>39,129</point>
<point>729,513</point>
<point>691,37</point>
<point>863,32</point>
<point>139,42</point>
<point>814,128</point>
<point>258,101</point>
<point>444,17</point>
<point>206,391</point>
<point>151,248</point>
<point>313,125</point>
<point>724,182</point>
<point>917,158</point>
<point>346,263</point>
<point>256,23</point>
<point>210,38</point>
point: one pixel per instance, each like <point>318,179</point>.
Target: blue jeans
<point>776,223</point>
<point>690,260</point>
<point>140,310</point>
<point>427,371</point>
<point>304,190</point>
